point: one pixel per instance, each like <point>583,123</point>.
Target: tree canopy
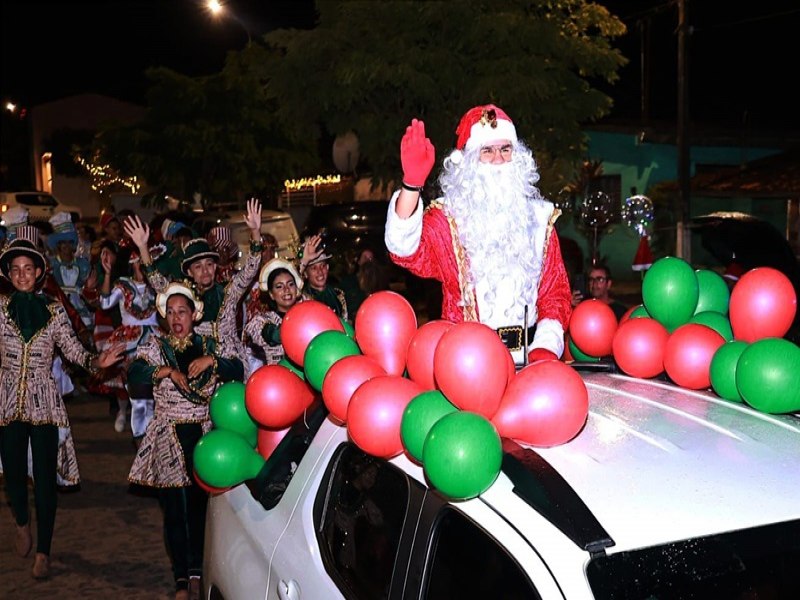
<point>372,66</point>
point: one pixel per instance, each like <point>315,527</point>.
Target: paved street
<point>107,540</point>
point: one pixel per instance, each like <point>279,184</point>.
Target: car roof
<point>657,463</point>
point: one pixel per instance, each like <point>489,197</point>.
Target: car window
<point>360,522</point>
<point>465,562</point>
<point>271,482</point>
<point>36,200</point>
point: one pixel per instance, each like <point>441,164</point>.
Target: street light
<point>217,10</point>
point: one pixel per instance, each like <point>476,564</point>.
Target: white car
<point>276,222</point>
<point>665,493</point>
<point>41,205</point>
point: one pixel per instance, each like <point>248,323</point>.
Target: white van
<point>276,222</point>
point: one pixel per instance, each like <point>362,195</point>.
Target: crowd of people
<point>155,317</point>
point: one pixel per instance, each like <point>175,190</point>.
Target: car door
<point>351,534</point>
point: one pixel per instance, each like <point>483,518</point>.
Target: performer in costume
<point>490,239</point>
<point>262,333</point>
<point>315,268</point>
<point>184,368</point>
<point>69,270</point>
<point>200,265</point>
<point>32,326</point>
<point>137,307</point>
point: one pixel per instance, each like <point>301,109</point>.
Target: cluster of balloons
<point>443,393</point>
<point>691,327</point>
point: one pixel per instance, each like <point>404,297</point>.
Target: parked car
<point>665,493</point>
<point>276,222</point>
<point>41,205</point>
<point>348,227</point>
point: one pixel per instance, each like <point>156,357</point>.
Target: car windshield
<point>753,563</point>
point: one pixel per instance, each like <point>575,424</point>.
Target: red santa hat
<point>644,257</point>
<point>482,125</point>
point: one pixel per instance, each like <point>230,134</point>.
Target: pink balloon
<point>344,378</point>
<point>688,354</point>
<point>471,367</point>
<point>420,352</point>
<point>385,324</point>
<point>763,304</point>
<point>275,397</point>
<point>592,327</point>
<point>375,412</point>
<point>545,405</point>
<point>268,440</point>
<point>302,323</point>
<point>639,347</point>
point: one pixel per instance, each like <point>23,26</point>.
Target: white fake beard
<point>495,221</point>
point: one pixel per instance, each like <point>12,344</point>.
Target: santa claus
<point>490,239</point>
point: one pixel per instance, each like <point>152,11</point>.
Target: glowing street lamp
<point>217,10</point>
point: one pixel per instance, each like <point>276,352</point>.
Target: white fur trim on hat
<point>15,216</point>
<point>177,287</point>
<point>278,263</point>
<point>482,134</point>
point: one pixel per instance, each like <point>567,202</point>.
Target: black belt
<point>512,336</point>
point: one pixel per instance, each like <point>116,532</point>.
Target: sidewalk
<point>107,541</point>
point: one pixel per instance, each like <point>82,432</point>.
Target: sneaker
<point>119,422</point>
<point>41,566</point>
<point>23,541</point>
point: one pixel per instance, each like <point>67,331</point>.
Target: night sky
<point>743,55</point>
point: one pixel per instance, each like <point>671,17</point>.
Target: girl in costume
<point>184,369</point>
<point>32,327</point>
<point>262,332</point>
<point>137,307</point>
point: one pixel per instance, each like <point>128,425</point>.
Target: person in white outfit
<point>137,307</point>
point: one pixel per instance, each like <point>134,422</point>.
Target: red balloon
<point>275,397</point>
<point>385,324</point>
<point>268,440</point>
<point>545,405</point>
<point>302,323</point>
<point>512,368</point>
<point>592,327</point>
<point>639,346</point>
<point>344,378</point>
<point>471,367</point>
<point>627,314</point>
<point>688,354</point>
<point>208,488</point>
<point>375,412</point>
<point>420,352</point>
<point>763,304</point>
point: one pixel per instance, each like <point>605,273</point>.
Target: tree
<point>372,66</point>
<point>218,136</point>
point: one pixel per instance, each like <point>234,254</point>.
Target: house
<point>80,113</point>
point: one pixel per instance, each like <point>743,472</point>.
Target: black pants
<point>184,511</point>
<point>14,454</point>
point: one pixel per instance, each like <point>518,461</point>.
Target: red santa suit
<point>427,244</point>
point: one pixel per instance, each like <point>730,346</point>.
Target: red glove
<point>416,154</point>
<point>540,354</point>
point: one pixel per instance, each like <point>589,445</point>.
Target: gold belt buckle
<point>511,337</point>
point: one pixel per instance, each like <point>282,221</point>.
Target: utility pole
<point>683,239</point>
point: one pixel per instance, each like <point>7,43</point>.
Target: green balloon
<point>768,376</point>
<point>713,292</point>
<point>716,321</point>
<point>228,411</point>
<point>348,329</point>
<point>723,370</point>
<point>670,291</point>
<point>223,459</point>
<point>640,312</point>
<point>462,455</point>
<point>419,416</point>
<point>579,355</point>
<point>324,350</point>
<point>286,362</point>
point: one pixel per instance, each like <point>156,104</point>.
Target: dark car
<point>347,228</point>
